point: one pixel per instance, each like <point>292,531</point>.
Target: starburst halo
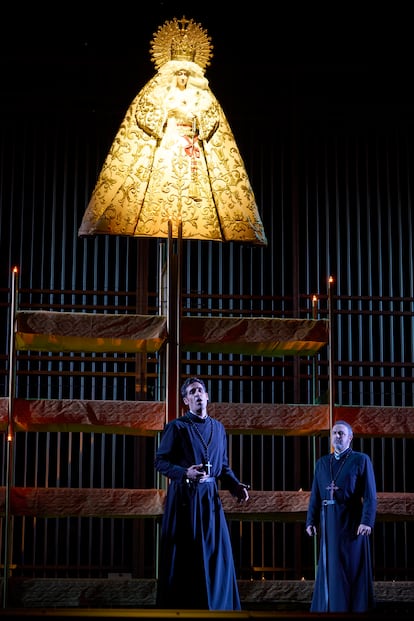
<point>181,39</point>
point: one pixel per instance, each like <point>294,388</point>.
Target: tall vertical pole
<point>173,324</point>
<point>178,314</point>
<point>170,305</point>
<point>314,397</point>
<point>314,366</point>
<point>331,355</point>
<point>8,544</point>
<point>162,374</point>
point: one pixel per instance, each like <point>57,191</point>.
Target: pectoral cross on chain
<point>208,468</point>
<point>331,489</point>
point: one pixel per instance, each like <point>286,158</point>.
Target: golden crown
<point>182,48</point>
<point>181,40</point>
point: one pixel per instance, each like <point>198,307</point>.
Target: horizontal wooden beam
<point>147,418</point>
<point>140,418</point>
<point>53,331</point>
<point>124,592</point>
<point>285,506</point>
<point>257,336</point>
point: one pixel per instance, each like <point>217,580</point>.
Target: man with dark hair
<point>196,568</point>
<point>343,504</point>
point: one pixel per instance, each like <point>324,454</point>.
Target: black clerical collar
<point>197,417</point>
<point>339,456</point>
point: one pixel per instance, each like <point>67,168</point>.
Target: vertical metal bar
<point>162,380</point>
<point>8,546</point>
<point>162,310</point>
<point>174,324</point>
<point>314,365</point>
<point>178,314</point>
<point>331,359</point>
<point>169,409</point>
<point>314,397</point>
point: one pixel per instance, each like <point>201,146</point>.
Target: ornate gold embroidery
<point>174,159</point>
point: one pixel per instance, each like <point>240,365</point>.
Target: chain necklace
<point>332,487</point>
<point>205,444</point>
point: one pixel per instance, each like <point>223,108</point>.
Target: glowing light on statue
<point>174,163</point>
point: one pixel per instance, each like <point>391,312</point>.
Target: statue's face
<point>182,78</point>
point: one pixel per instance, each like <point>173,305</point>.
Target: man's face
<point>196,398</point>
<point>341,437</point>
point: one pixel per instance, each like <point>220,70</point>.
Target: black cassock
<point>196,566</point>
<point>343,496</point>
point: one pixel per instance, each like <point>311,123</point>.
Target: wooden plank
<point>143,418</point>
<point>147,417</point>
<point>257,336</point>
<point>89,332</point>
<point>39,594</point>
<point>268,419</point>
<point>285,506</point>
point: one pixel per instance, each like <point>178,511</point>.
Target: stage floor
<point>382,611</point>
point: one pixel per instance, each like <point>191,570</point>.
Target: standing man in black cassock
<point>196,568</point>
<point>343,504</point>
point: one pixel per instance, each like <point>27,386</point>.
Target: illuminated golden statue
<point>174,159</point>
